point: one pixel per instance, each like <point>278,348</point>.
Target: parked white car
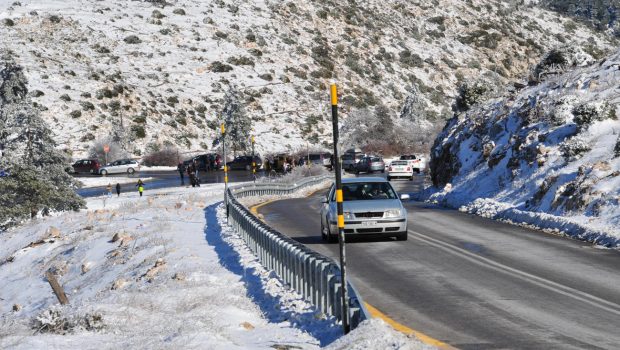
<point>400,169</point>
<point>120,166</point>
<point>417,162</point>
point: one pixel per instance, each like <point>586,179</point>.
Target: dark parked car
<point>90,166</point>
<point>244,163</point>
<point>370,164</point>
<point>204,159</point>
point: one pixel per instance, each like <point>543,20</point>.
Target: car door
<point>78,166</point>
<point>325,207</point>
<point>116,167</point>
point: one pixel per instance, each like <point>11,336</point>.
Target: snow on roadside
<point>163,284</point>
<point>161,271</point>
<point>104,181</point>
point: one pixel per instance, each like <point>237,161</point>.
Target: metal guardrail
<point>314,276</point>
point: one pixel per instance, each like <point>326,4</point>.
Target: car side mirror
<point>405,197</point>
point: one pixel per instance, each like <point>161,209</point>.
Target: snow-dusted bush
<point>132,39</point>
<point>57,320</point>
<point>559,60</point>
<point>574,148</point>
<point>470,94</point>
<point>219,67</point>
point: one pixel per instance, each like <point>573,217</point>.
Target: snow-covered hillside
<point>153,76</point>
<point>157,272</point>
<point>548,155</point>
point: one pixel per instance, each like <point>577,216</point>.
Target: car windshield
<point>375,159</point>
<point>407,157</point>
<point>367,191</point>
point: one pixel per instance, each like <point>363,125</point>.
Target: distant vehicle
<point>323,158</point>
<point>370,164</point>
<point>120,166</point>
<point>90,166</point>
<point>245,163</point>
<point>371,206</point>
<point>350,159</point>
<point>418,163</point>
<point>400,168</point>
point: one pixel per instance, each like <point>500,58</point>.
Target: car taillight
<point>408,169</point>
<point>390,169</point>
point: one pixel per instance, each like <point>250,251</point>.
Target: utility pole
<point>339,198</point>
<point>253,161</point>
<point>223,129</point>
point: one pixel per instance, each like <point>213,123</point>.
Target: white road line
<point>539,281</point>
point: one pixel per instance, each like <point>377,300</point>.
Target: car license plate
<point>369,223</point>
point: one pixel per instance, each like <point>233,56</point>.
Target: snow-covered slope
<point>548,155</point>
<point>161,271</point>
<point>153,76</point>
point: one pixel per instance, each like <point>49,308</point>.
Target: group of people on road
<point>139,185</point>
<point>192,171</point>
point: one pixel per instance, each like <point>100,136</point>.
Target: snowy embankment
<point>161,271</point>
<point>547,156</point>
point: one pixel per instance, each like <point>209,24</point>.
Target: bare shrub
<point>116,151</point>
<point>165,157</point>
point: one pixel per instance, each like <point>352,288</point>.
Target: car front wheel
<point>130,171</point>
<point>402,236</point>
<point>103,172</point>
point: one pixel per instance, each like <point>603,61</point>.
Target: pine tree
<point>38,182</point>
<point>238,123</point>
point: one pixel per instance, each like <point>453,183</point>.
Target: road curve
<point>475,283</point>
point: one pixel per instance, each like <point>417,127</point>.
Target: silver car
<point>371,207</point>
<point>370,164</point>
<point>128,166</point>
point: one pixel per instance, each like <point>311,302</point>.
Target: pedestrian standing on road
<point>109,188</point>
<point>191,174</point>
<point>140,186</point>
<point>196,168</point>
<point>118,189</point>
<point>181,170</point>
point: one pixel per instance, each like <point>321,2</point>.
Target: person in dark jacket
<point>181,170</point>
<point>118,189</point>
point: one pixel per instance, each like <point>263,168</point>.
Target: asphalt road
<point>475,283</point>
<point>164,179</point>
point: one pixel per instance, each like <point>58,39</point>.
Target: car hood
<point>371,205</point>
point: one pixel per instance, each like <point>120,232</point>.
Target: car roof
<point>363,179</point>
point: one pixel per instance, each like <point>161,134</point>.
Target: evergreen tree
<point>238,123</point>
<point>38,182</point>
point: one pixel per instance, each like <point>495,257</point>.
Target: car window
<point>366,191</point>
<point>398,162</point>
<point>408,157</point>
<point>375,159</point>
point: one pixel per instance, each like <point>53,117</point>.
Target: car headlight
<point>348,216</point>
<point>392,213</point>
